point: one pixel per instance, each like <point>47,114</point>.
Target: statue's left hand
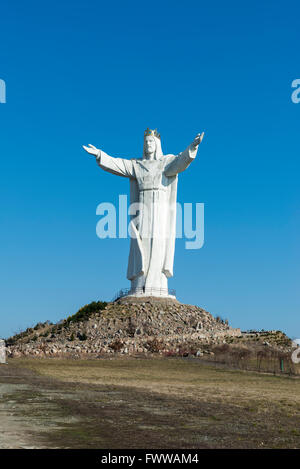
<point>198,140</point>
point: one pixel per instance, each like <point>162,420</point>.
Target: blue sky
<point>80,72</point>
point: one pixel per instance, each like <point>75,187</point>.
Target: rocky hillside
<point>126,326</point>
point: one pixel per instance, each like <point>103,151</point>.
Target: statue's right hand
<point>91,149</point>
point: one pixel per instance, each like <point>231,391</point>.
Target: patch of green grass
<point>86,311</point>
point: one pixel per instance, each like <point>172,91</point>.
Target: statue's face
<point>150,145</point>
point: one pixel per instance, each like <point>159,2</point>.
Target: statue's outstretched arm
<point>180,162</point>
<point>118,166</point>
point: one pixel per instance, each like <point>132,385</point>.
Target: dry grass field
<point>150,403</point>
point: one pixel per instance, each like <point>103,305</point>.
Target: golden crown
<point>151,132</point>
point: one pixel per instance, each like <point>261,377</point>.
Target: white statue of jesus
<point>153,188</point>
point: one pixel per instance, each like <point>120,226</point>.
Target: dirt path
<point>11,434</point>
<point>30,409</point>
<point>15,432</point>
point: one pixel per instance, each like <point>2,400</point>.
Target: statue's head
<point>152,145</point>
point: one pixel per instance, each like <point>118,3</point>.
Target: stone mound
<point>128,326</point>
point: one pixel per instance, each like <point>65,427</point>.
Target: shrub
<point>170,353</point>
<point>185,352</point>
<point>221,349</point>
<point>82,336</point>
<point>116,345</point>
<point>86,311</point>
<point>39,325</point>
<point>131,328</point>
<point>154,346</point>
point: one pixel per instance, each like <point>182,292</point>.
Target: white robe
<point>153,184</point>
